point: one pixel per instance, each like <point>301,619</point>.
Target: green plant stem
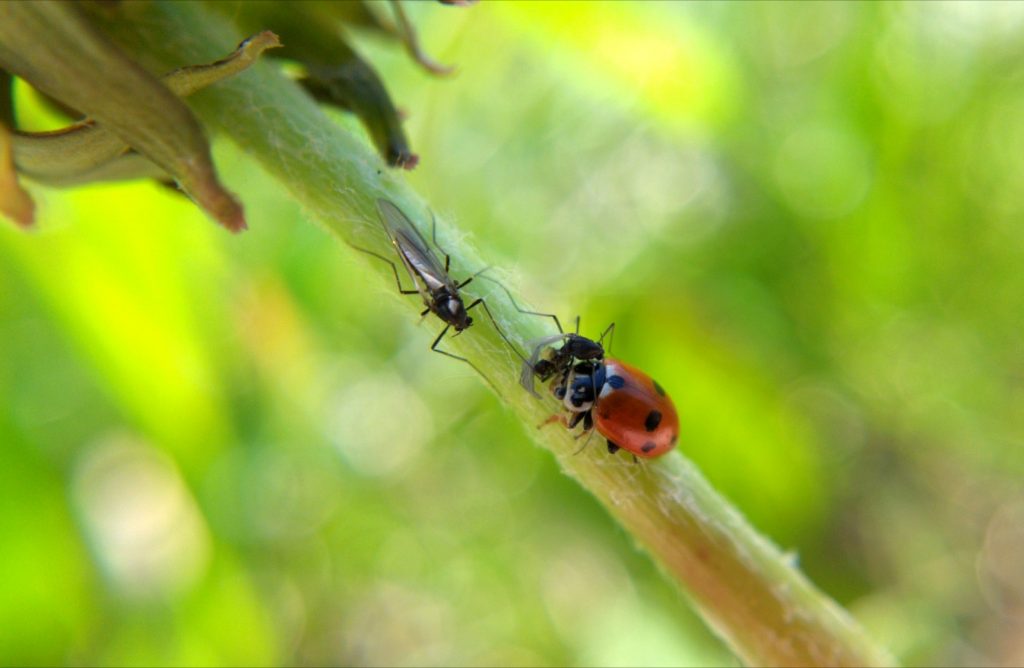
<point>750,594</point>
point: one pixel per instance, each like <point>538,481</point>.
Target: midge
<point>437,289</point>
<point>627,407</point>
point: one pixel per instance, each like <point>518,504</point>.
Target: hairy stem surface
<point>748,591</point>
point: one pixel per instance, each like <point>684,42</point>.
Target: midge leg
<point>437,342</point>
<point>394,269</point>
<point>516,305</point>
<point>472,276</point>
<point>447,257</point>
<point>480,301</point>
<point>609,331</point>
<point>433,238</point>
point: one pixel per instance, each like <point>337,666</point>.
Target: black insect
<point>545,361</point>
<point>434,285</point>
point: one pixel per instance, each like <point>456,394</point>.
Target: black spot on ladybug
<point>658,388</point>
<point>652,421</point>
<point>675,437</point>
<point>648,446</point>
<point>616,382</point>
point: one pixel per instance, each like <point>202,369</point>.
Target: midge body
<point>439,292</point>
<point>624,404</point>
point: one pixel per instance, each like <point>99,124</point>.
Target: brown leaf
<point>6,99</point>
<point>85,152</point>
<point>15,203</point>
<point>55,48</point>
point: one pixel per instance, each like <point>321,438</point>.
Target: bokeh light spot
<point>141,519</point>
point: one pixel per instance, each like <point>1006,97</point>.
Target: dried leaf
<point>15,203</point>
<point>6,99</point>
<point>56,49</point>
<point>85,151</point>
<point>187,80</point>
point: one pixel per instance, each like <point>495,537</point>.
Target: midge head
<point>582,348</point>
<point>431,279</point>
<point>451,309</point>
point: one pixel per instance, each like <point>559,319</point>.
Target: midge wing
<point>416,255</point>
<point>536,346</point>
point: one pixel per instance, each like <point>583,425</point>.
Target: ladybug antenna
<point>590,434</point>
<point>577,325</point>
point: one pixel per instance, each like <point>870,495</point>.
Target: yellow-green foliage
<point>804,218</point>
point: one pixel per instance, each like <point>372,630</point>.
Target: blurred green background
<point>805,219</point>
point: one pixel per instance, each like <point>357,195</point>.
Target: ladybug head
<point>578,391</point>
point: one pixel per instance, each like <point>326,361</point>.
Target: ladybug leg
<point>576,417</point>
<point>471,277</point>
<point>557,417</point>
<point>613,448</point>
<point>588,428</point>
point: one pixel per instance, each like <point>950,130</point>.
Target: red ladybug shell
<point>634,413</point>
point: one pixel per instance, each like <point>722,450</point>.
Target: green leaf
<point>335,73</point>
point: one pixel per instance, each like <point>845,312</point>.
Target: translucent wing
<point>537,347</point>
<point>412,247</point>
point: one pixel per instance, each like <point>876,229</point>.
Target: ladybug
<point>625,405</point>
